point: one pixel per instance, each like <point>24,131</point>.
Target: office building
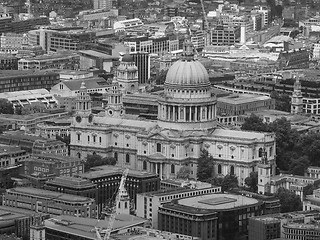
<point>236,104</point>
<point>225,35</point>
<point>149,203</point>
<point>34,144</point>
<point>71,227</point>
<point>292,225</point>
<point>8,62</point>
<point>53,128</point>
<point>29,122</point>
<point>102,4</point>
<point>60,60</point>
<point>51,166</point>
<point>18,80</point>
<point>210,216</point>
<point>108,177</point>
<point>93,59</point>
<point>73,185</point>
<point>17,221</point>
<point>53,203</point>
<point>142,61</point>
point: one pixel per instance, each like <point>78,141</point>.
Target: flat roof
<point>242,98</point>
<point>49,194</point>
<point>85,226</point>
<point>97,54</point>
<point>5,74</point>
<point>218,201</point>
<point>74,182</point>
<point>107,170</point>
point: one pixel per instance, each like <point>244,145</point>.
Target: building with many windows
<point>209,216</point>
<point>53,203</point>
<point>18,80</point>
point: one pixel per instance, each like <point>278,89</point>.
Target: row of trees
<point>6,107</point>
<point>95,160</point>
<point>294,151</point>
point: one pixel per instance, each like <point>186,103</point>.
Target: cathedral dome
<point>187,73</point>
<point>127,58</point>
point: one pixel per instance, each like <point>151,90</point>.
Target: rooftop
<point>84,226</point>
<point>4,149</point>
<point>91,83</point>
<point>218,201</point>
<point>97,54</point>
<point>107,170</point>
<point>73,182</point>
<point>243,98</point>
<point>5,74</point>
<point>178,190</point>
<point>49,194</point>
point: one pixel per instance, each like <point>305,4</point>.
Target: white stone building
<point>186,124</point>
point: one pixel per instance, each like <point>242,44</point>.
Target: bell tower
<point>37,228</point>
<point>264,174</point>
<point>297,98</point>
<point>115,107</point>
<point>124,202</point>
<point>127,74</point>
<point>83,106</point>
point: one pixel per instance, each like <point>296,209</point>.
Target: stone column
<point>196,113</point>
<point>174,113</point>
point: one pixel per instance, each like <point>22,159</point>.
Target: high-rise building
<point>102,4</point>
<point>142,61</point>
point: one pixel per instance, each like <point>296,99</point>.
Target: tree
<point>226,183</point>
<point>289,201</point>
<point>184,172</point>
<point>299,165</point>
<point>252,181</point>
<point>6,107</point>
<point>254,123</point>
<point>36,107</point>
<point>308,190</point>
<point>95,160</point>
<point>205,166</point>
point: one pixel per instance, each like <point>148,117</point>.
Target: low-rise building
<point>312,202</point>
<point>60,60</point>
<point>210,216</point>
<point>93,59</point>
<point>29,122</point>
<point>73,185</point>
<point>17,221</point>
<point>70,227</point>
<point>51,166</point>
<point>44,201</point>
<point>18,80</point>
<point>8,62</point>
<point>34,144</point>
<point>148,203</point>
<point>70,88</point>
<point>53,128</point>
<point>10,164</point>
<point>235,104</point>
<point>313,172</point>
<point>28,97</point>
<point>108,177</point>
<point>284,226</point>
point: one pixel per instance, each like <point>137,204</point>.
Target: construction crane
<point>205,19</point>
<point>114,209</point>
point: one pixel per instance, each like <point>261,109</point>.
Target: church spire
<point>297,98</point>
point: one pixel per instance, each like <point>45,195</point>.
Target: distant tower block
<point>243,39</point>
<point>297,98</point>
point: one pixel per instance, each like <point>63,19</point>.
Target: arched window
<point>158,147</point>
<point>88,138</point>
<point>172,168</point>
<point>116,156</point>
<point>260,152</point>
<point>270,151</point>
<point>219,169</point>
<point>79,155</point>
<point>144,165</point>
<point>127,158</point>
<point>232,170</point>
